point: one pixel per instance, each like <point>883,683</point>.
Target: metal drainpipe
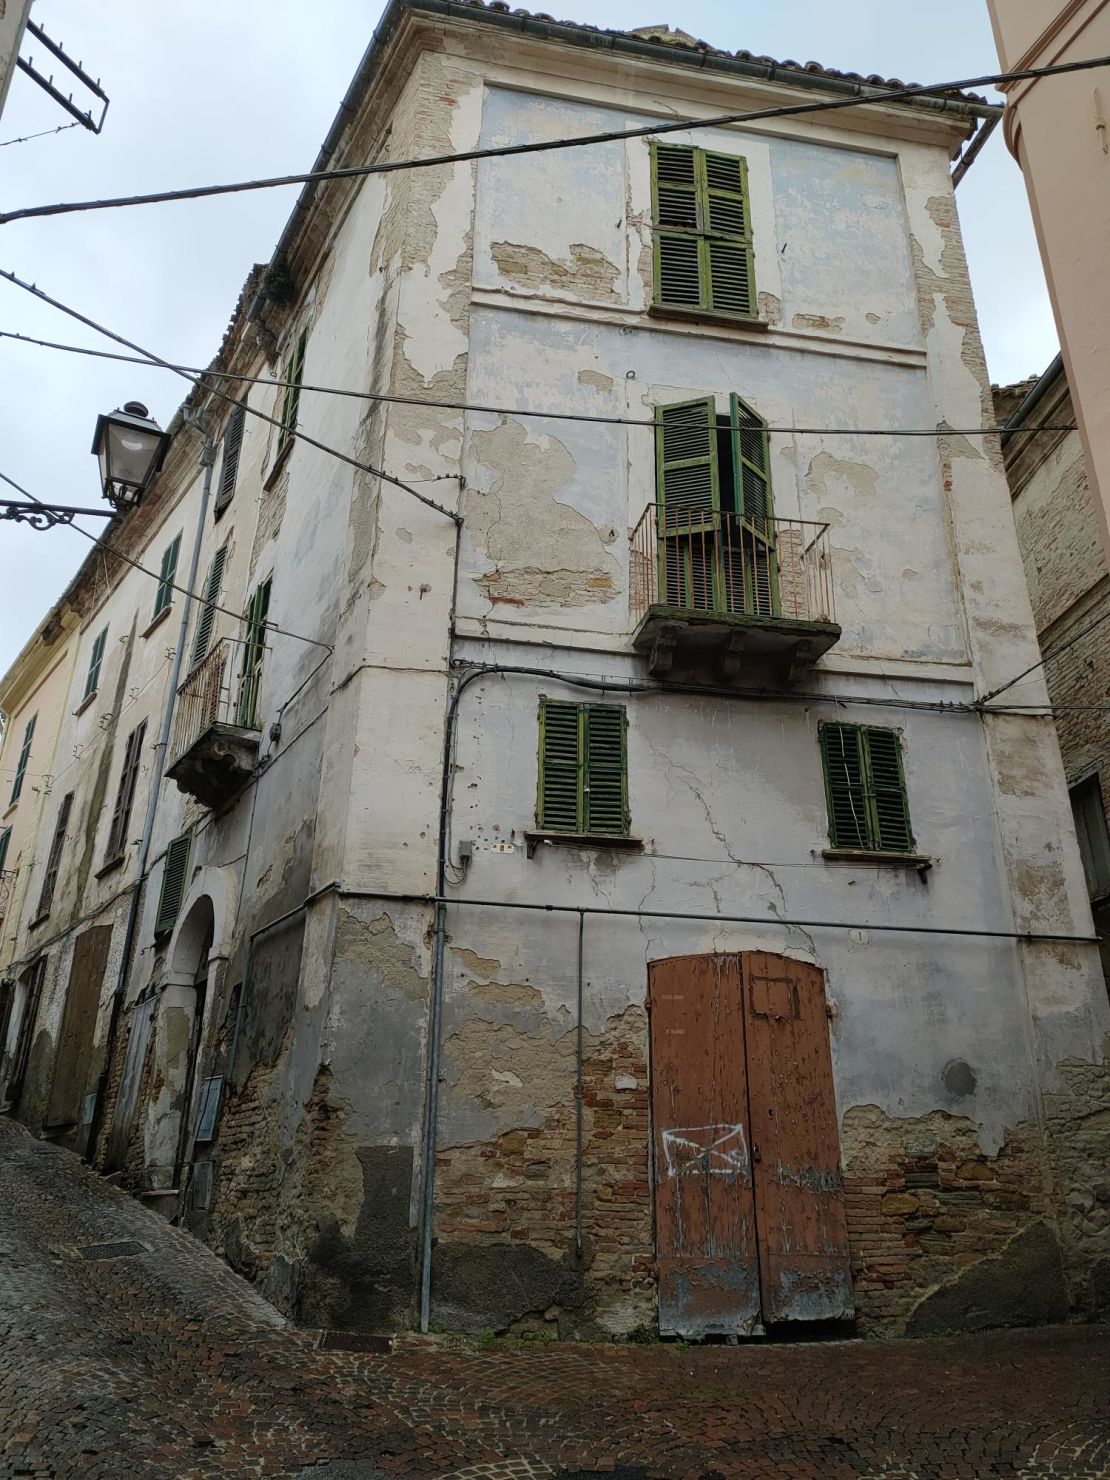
<point>207,460</point>
<point>578,1115</point>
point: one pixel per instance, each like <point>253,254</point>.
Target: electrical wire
<point>539,146</point>
<point>1048,658</point>
<point>479,407</point>
<point>197,381</point>
<point>44,133</point>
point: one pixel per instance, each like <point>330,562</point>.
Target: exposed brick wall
<point>924,1203</point>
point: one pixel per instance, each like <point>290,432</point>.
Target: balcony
<point>727,598</point>
<point>214,748</point>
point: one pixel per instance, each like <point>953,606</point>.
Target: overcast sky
<point>241,88</point>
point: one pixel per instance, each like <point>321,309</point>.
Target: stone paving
<point>160,1362</point>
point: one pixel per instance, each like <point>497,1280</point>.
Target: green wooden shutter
<point>96,658</point>
<point>753,545</point>
<point>121,814</point>
<point>686,472</point>
<point>729,269</point>
<point>24,757</point>
<point>845,788</point>
<point>229,470</point>
<point>254,649</point>
<point>886,785</point>
<point>677,246</point>
<point>54,860</point>
<point>173,884</point>
<point>559,804</point>
<point>606,787</point>
<point>207,617</point>
<point>166,576</point>
<point>292,399</point>
<point>5,839</point>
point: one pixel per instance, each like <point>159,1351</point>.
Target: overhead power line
<point>1048,658</point>
<point>150,358</point>
<point>483,408</point>
<point>540,146</point>
<point>42,134</point>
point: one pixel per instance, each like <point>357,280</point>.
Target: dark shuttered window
<point>703,255</point>
<point>254,650</point>
<point>583,780</point>
<point>5,839</point>
<point>54,862</point>
<point>96,660</point>
<point>206,618</point>
<point>163,598</point>
<point>24,757</point>
<point>125,796</point>
<point>291,401</point>
<point>866,789</point>
<point>174,875</point>
<point>229,468</point>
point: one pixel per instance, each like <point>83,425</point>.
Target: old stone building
<point>586,888</point>
<point>1058,532</point>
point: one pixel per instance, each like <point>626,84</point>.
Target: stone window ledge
<point>39,920</point>
<point>111,865</point>
<point>919,861</point>
<point>708,316</point>
<point>533,837</point>
<point>279,462</point>
<point>157,621</point>
<point>85,702</point>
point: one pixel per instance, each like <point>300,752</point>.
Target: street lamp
<point>131,447</point>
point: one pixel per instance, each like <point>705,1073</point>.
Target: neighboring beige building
<point>13,21</point>
<point>1058,129</point>
<point>1070,591</point>
<point>32,704</point>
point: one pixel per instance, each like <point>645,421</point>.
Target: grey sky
<point>221,91</point>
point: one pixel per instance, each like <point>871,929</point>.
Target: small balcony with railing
<point>721,598</point>
<point>216,737</point>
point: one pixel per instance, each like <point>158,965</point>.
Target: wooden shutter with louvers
<point>96,658</point>
<point>560,789</point>
<point>173,884</point>
<point>606,784</point>
<point>5,839</point>
<point>24,757</point>
<point>121,814</point>
<point>53,862</point>
<point>677,254</point>
<point>728,262</point>
<point>164,596</point>
<point>686,466</point>
<point>229,470</point>
<point>254,649</point>
<point>844,785</point>
<point>291,402</point>
<point>887,791</point>
<point>751,470</point>
<point>207,616</point>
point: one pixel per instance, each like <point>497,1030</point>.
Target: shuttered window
<point>229,468</point>
<point>164,596</point>
<point>53,863</point>
<point>254,648</point>
<point>866,789</point>
<point>173,884</point>
<point>583,780</point>
<point>24,757</point>
<point>206,618</point>
<point>121,814</point>
<point>291,401</point>
<point>703,255</point>
<point>96,658</point>
<point>5,839</point>
<point>1091,831</point>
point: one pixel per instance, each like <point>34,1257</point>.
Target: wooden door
<point>803,1230</point>
<point>704,1218</point>
<point>71,1062</point>
<point>749,1206</point>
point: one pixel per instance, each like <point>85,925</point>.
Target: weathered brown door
<point>71,1062</point>
<point>749,1208</point>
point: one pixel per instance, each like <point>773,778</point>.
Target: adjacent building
<point>585,889</point>
<point>1066,570</point>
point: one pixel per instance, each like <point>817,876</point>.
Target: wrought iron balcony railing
<point>215,736</point>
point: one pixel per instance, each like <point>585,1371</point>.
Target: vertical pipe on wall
<point>578,1114</point>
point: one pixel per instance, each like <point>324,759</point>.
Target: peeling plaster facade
<point>968,1071</point>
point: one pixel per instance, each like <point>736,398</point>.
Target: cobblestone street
<point>158,1361</point>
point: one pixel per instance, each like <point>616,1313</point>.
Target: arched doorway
<point>749,1203</point>
<point>179,1037</point>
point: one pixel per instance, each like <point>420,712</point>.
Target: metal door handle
<point>757,1155</point>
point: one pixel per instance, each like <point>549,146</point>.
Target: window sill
<point>158,620</point>
<point>708,316</point>
<point>85,702</point>
<point>38,920</point>
<point>533,837</point>
<point>11,808</point>
<point>111,865</point>
<point>220,510</point>
<point>279,463</point>
<point>919,861</point>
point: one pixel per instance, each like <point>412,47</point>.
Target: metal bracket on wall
<point>47,83</point>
